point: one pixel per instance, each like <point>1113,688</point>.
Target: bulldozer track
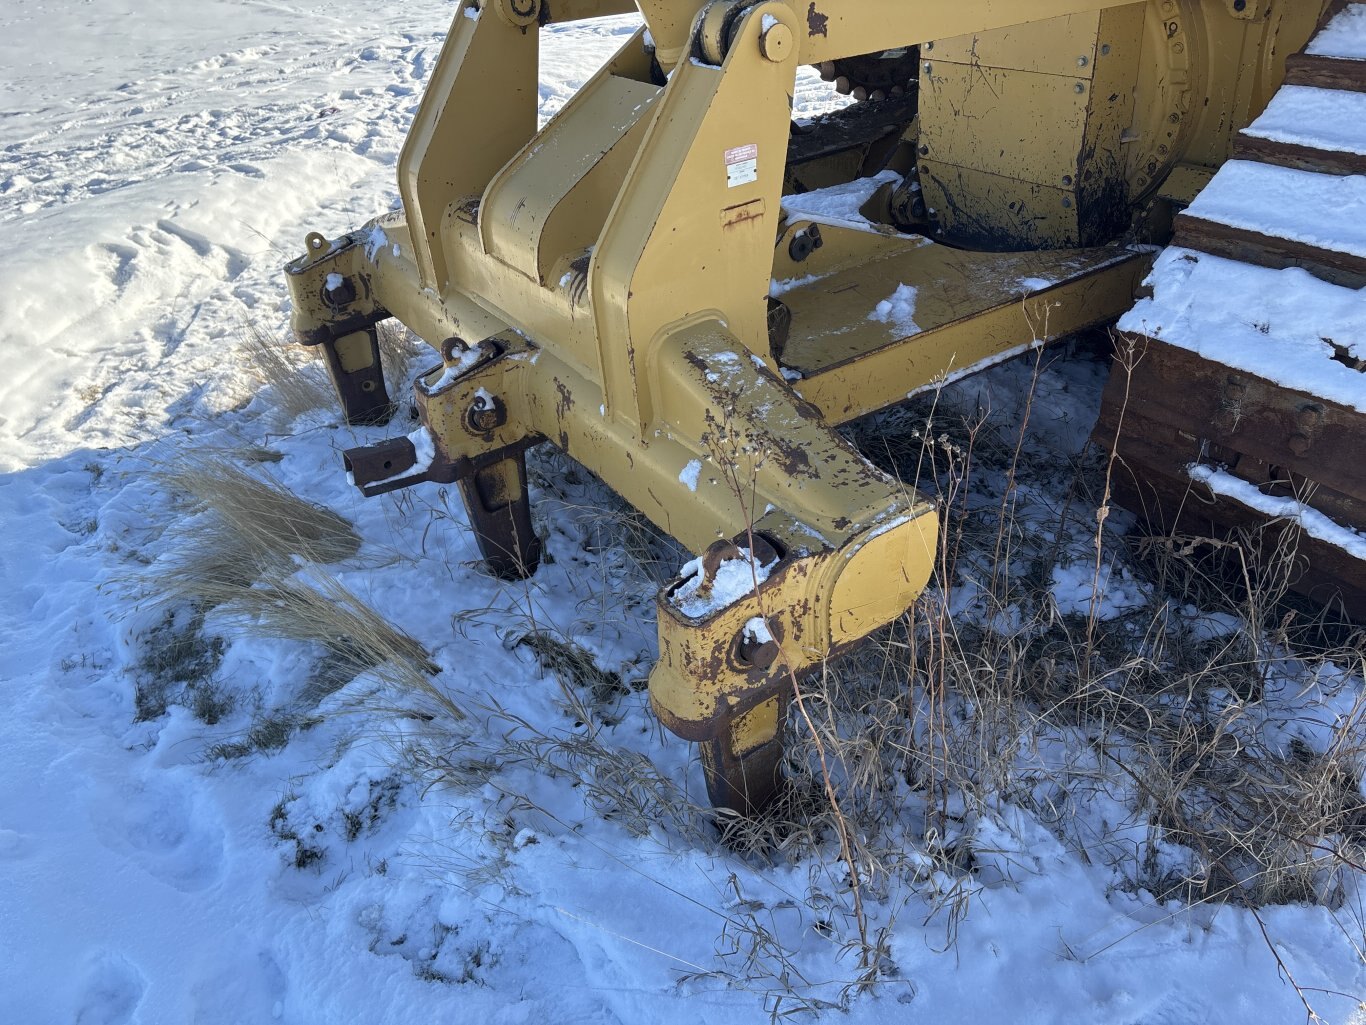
<point>1257,421</point>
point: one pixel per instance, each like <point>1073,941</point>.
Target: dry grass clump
<point>619,785</point>
<point>237,527</point>
<point>249,552</point>
<point>398,348</point>
<point>293,372</point>
<point>178,664</point>
<point>574,666</point>
<point>269,519</point>
<point>314,608</point>
<point>1266,826</point>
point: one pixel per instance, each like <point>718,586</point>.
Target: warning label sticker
<point>742,165</point>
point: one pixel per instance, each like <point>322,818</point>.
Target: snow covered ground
<point>264,848</point>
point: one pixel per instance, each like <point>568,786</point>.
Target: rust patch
<point>804,409</point>
<point>817,24</point>
<point>388,466</point>
<point>795,461</point>
<point>734,216</point>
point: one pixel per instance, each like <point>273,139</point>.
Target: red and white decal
<point>742,165</point>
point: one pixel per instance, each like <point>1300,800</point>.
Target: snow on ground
<point>285,848</point>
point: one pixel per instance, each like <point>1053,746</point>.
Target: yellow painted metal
<point>1064,46</point>
<point>693,227</point>
<point>670,25</point>
<point>551,199</point>
<point>844,29</point>
<point>354,351</point>
<point>614,272</point>
<point>578,10</point>
<point>1184,183</point>
<point>972,309</point>
<point>479,110</point>
<point>1207,71</point>
<point>1035,121</point>
<point>1021,131</point>
<point>756,727</point>
<point>1046,134</point>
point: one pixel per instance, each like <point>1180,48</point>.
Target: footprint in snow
<point>164,828</point>
<point>243,985</point>
<point>114,262</point>
<point>199,245</point>
<point>13,846</point>
<point>111,990</point>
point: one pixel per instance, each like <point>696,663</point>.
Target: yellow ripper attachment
<point>630,284</point>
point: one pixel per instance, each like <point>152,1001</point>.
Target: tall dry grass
<point>251,555</point>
